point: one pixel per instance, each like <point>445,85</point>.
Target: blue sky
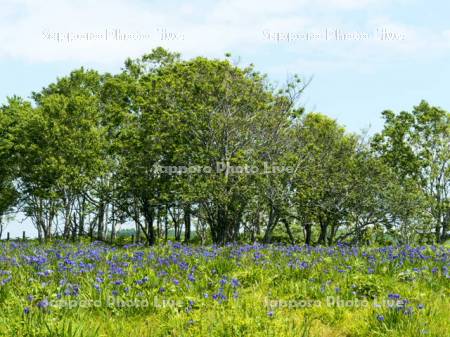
<point>354,77</point>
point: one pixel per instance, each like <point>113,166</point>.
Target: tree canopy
<point>215,151</point>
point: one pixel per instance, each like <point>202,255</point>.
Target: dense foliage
<point>94,151</point>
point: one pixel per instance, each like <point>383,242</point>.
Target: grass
<point>65,289</point>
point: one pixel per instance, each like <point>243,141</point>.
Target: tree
<point>8,193</point>
<point>196,113</point>
<point>323,185</point>
<point>171,142</point>
<point>60,152</point>
<point>416,145</point>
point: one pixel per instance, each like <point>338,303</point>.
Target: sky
<point>363,56</point>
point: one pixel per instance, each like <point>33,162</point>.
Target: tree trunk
<point>187,223</point>
<point>445,228</point>
<point>113,223</point>
<point>271,224</point>
<point>81,217</point>
<point>67,218</point>
<point>288,230</point>
<point>332,234</point>
<point>148,214</point>
<point>158,223</point>
<point>74,228</point>
<point>101,220</point>
<point>166,225</point>
<point>323,231</point>
<point>308,233</point>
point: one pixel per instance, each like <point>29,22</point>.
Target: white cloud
<point>208,29</point>
<point>348,4</point>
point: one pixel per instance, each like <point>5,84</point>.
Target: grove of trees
<point>91,152</point>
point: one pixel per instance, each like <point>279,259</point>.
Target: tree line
<point>93,151</point>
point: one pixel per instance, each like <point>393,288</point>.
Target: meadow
<point>94,289</point>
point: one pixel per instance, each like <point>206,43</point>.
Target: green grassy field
<point>63,289</point>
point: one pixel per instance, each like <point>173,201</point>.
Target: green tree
<point>8,168</point>
<point>324,183</point>
<point>61,150</point>
<point>416,145</point>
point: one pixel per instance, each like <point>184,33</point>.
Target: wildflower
<point>43,304</point>
<point>394,296</point>
<point>380,318</point>
<point>408,311</point>
<point>6,280</point>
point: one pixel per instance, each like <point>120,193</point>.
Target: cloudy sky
<point>364,56</point>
